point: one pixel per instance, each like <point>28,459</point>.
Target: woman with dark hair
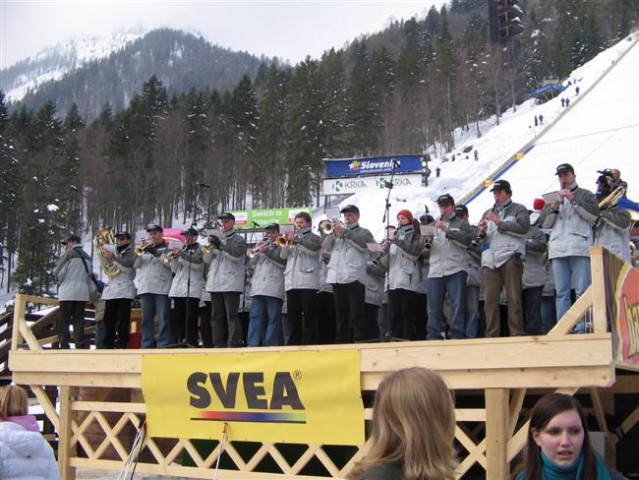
<point>558,443</point>
<point>413,429</point>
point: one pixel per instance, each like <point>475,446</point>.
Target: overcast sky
<point>287,29</point>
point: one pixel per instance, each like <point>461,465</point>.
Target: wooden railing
<point>495,381</point>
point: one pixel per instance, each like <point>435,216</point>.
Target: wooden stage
<point>495,382</point>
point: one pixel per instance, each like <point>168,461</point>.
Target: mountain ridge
<point>116,75</point>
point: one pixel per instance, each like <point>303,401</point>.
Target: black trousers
<point>225,320</point>
<point>302,317</point>
<point>180,322</point>
<point>326,317</point>
<point>117,322</point>
<point>404,314</point>
<point>349,312</point>
<point>71,313</point>
<point>205,325</point>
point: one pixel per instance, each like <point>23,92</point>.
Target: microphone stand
<point>386,219</point>
<point>389,186</point>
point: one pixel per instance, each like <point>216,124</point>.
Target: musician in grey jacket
<point>267,291</point>
<point>612,227</point>
<point>347,274</point>
<point>534,278</point>
<point>404,277</point>
<point>187,266</point>
<point>119,293</point>
<point>503,229</point>
<point>570,239</point>
<point>225,283</point>
<point>72,271</point>
<point>302,281</point>
<point>154,283</point>
<point>447,275</point>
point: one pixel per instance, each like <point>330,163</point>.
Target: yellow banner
<point>291,397</point>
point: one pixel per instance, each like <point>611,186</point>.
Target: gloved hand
<point>213,240</point>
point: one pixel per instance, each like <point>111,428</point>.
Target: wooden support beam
<point>497,434</point>
<point>67,472</point>
<point>600,318</point>
<point>18,318</point>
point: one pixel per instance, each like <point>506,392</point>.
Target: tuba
<point>105,237</point>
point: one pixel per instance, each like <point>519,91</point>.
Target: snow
<point>599,130</point>
<point>71,54</point>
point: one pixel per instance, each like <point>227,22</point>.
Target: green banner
<point>261,218</point>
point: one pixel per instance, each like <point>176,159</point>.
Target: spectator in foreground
<point>413,429</point>
<point>24,453</point>
<point>558,443</point>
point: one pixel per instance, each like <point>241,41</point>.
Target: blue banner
<point>359,167</point>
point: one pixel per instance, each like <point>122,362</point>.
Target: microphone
<point>256,225</point>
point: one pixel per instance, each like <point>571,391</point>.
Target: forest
<point>260,144</point>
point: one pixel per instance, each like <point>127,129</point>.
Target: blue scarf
<point>574,471</point>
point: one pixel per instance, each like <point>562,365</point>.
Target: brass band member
<point>612,227</point>
<point>187,266</point>
<point>404,277</point>
<point>301,281</point>
<point>73,275</point>
<point>504,226</point>
<point>119,293</point>
<point>347,274</point>
<point>225,283</point>
<point>154,283</point>
<point>267,291</point>
<point>447,275</point>
<point>571,238</point>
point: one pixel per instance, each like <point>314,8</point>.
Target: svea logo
<point>212,390</point>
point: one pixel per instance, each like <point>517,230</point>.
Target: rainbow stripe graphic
<point>253,417</point>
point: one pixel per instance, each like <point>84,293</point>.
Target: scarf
<point>574,471</point>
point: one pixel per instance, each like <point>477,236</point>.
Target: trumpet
<point>281,241</point>
<point>612,199</point>
<point>250,253</point>
<point>143,247</point>
<point>327,226</point>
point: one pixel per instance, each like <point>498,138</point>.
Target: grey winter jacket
<point>507,239</point>
<point>612,231</point>
<point>571,224</point>
<point>154,274</point>
<point>535,274</point>
<point>375,279</point>
<point>328,241</point>
<point>404,268</point>
<point>227,264</point>
<point>349,256</point>
<point>447,254</point>
<point>268,274</point>
<point>73,277</point>
<point>302,261</point>
<point>121,285</point>
<point>185,284</point>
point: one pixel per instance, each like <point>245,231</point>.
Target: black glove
<point>215,241</point>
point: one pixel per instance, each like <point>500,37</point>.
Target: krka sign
<point>294,397</point>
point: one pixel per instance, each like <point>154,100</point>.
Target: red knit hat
<point>539,204</point>
<point>407,214</point>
